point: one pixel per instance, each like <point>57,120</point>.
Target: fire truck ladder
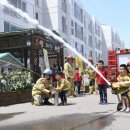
<point>112,66</point>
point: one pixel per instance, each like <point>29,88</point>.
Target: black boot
<point>32,101</point>
<point>46,102</point>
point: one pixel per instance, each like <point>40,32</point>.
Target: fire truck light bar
<point>127,51</point>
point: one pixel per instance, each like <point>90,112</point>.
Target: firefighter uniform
<point>63,84</point>
<point>129,88</point>
<point>122,85</point>
<point>69,75</point>
<point>62,87</point>
<point>41,91</point>
<point>92,85</point>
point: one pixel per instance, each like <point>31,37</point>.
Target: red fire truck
<point>115,58</point>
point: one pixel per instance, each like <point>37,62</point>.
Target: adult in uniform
<point>43,89</point>
<point>69,73</point>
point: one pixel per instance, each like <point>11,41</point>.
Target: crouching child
<point>62,87</point>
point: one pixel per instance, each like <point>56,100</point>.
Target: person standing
<point>69,73</point>
<point>102,85</point>
<point>91,73</point>
<point>77,79</point>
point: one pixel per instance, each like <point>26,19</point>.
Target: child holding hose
<point>62,87</point>
<point>122,86</point>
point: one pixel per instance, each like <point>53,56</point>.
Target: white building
<point>69,19</point>
<point>75,25</point>
<point>111,41</point>
<point>10,20</point>
<point>66,18</point>
<point>97,48</point>
<point>88,35</point>
<point>112,38</point>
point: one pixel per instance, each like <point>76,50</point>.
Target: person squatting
<point>43,90</point>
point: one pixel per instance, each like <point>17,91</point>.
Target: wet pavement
<point>82,113</point>
<point>9,115</point>
<point>68,122</point>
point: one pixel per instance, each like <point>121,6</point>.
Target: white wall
<point>104,50</point>
<point>30,6</point>
<point>112,38</point>
<point>50,14</point>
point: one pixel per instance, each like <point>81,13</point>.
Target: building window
<point>76,45</point>
<point>90,41</point>
<point>90,26</point>
<point>36,15</point>
<point>97,29</point>
<point>82,49</point>
<point>13,2</point>
<point>64,6</point>
<point>78,31</point>
<point>37,3</point>
<point>90,53</point>
<point>72,31</point>
<point>72,23</point>
<point>64,27</point>
<point>14,28</point>
<point>78,12</point>
<point>98,56</point>
<point>99,45</point>
<point>85,23</point>
<point>85,40</point>
<point>24,6</point>
<point>10,28</point>
<point>19,4</point>
<point>6,27</point>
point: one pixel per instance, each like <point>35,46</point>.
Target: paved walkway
<point>82,113</point>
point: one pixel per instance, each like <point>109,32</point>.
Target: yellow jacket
<point>63,84</point>
<point>122,85</point>
<point>68,70</point>
<point>91,73</point>
<point>41,86</point>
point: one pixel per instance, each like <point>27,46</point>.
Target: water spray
<point>72,49</point>
<point>36,24</point>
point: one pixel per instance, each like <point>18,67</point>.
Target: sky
<point>112,12</point>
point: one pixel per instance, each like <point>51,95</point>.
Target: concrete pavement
<point>82,113</point>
